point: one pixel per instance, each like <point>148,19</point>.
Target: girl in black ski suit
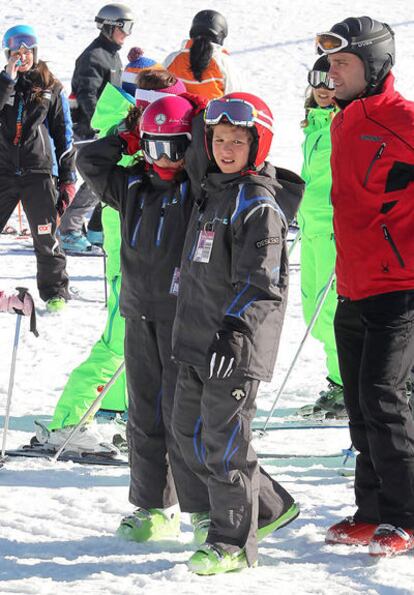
<point>36,156</point>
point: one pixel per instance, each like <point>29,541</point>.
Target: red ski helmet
<point>246,110</point>
<point>168,116</point>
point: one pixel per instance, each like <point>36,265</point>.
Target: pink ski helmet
<point>168,116</point>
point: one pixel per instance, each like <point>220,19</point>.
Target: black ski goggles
<point>172,147</point>
<point>318,79</point>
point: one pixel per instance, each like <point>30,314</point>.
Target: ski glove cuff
<point>225,353</point>
<point>67,191</point>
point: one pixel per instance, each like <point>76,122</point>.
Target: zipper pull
<point>385,231</point>
<point>380,151</point>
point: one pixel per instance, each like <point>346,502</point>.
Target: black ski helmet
<point>371,41</point>
<point>211,24</point>
<point>322,64</point>
<point>114,15</point>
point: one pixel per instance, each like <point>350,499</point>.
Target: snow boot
<point>86,440</point>
<point>201,524</point>
<point>350,532</point>
<point>213,559</point>
<point>75,241</point>
<point>153,524</point>
<point>95,237</point>
<point>330,404</point>
<point>390,541</point>
<point>287,517</point>
<point>55,304</point>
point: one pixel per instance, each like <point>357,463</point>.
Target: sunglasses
<point>318,79</point>
<point>172,147</point>
<point>237,111</point>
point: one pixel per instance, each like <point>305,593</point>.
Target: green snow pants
<point>104,359</point>
<point>317,261</point>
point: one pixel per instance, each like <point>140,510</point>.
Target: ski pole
<point>105,280</point>
<point>294,243</point>
<point>311,324</point>
<point>91,411</point>
<point>11,383</point>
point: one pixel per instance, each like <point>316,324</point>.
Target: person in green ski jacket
<point>318,251</point>
<point>107,354</point>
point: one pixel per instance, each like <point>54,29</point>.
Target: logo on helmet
<point>160,119</point>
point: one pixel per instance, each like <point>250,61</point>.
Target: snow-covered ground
<point>57,521</point>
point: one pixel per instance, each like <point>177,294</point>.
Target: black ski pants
<point>158,472</point>
<point>37,193</point>
<point>375,340</point>
<point>212,423</point>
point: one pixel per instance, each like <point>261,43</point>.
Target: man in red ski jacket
<point>373,196</point>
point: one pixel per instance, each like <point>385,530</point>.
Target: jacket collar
<point>108,44</point>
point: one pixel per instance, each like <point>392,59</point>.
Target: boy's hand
<point>224,354</point>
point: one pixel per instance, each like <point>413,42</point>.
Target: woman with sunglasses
<point>36,152</point>
<point>316,229</point>
<point>154,201</point>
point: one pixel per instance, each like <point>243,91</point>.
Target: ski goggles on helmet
<point>318,79</point>
<point>237,111</point>
<point>329,43</point>
<point>15,42</point>
<point>172,147</point>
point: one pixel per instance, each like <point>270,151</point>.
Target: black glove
<point>224,354</point>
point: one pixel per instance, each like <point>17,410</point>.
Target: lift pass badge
<point>175,283</point>
<point>204,246</point>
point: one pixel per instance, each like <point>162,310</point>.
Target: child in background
<point>231,305</point>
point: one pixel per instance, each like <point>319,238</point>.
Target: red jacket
<point>373,194</point>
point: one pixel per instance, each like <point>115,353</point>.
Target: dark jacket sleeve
<point>90,75</point>
<point>6,88</point>
<point>97,164</point>
<point>259,265</point>
<point>60,128</point>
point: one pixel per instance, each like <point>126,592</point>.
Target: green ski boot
<point>153,524</point>
<point>212,559</point>
<point>290,515</point>
<point>201,524</point>
<point>55,304</point>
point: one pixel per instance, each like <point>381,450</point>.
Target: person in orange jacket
<point>202,63</point>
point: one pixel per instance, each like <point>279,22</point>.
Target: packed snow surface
<point>58,520</point>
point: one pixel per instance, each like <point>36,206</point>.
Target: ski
<point>300,425</point>
<point>67,456</point>
<point>87,253</point>
<point>272,455</point>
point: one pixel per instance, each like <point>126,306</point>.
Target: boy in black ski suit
<point>231,305</point>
